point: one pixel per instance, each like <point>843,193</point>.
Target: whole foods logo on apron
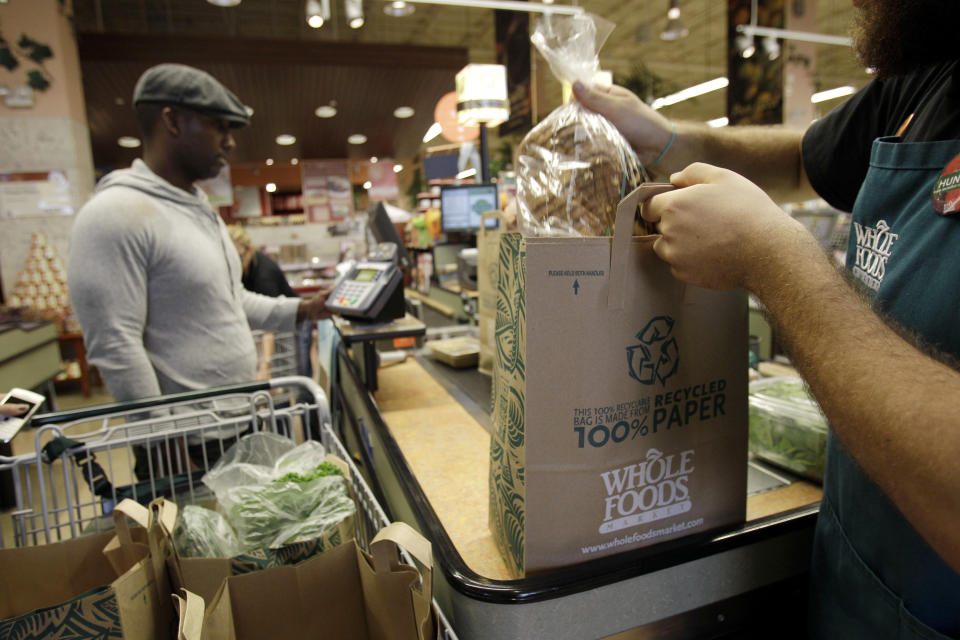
<point>874,246</point>
<point>946,190</point>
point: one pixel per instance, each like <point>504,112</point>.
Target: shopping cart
<point>87,460</point>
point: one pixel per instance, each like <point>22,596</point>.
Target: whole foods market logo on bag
<point>652,489</point>
<point>657,355</point>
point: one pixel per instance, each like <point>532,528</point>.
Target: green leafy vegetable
<point>323,469</point>
<point>787,427</point>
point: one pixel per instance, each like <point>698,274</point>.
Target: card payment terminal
<point>372,291</point>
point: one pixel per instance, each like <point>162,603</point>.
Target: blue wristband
<point>673,136</point>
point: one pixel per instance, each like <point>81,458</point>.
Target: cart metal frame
<point>84,460</point>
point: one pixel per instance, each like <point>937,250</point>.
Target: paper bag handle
<point>403,535</point>
<point>490,215</point>
<point>622,235</point>
<point>132,509</point>
<point>163,520</point>
<point>190,609</point>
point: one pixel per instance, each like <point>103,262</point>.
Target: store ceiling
<point>264,50</point>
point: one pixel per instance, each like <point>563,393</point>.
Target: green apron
<point>873,576</point>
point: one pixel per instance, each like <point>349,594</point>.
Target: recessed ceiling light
<point>398,8</point>
<point>357,138</point>
<point>367,184</point>
<point>271,187</point>
<point>294,161</point>
<point>403,112</point>
<point>224,3</point>
<point>285,139</point>
<point>315,21</point>
<point>326,111</point>
<point>374,160</point>
<point>128,142</point>
<point>397,168</point>
<point>269,162</point>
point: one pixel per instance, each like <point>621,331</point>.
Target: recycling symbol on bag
<point>657,355</point>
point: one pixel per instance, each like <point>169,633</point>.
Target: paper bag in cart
<point>92,586</point>
<point>620,401</point>
<point>203,576</point>
<point>343,593</point>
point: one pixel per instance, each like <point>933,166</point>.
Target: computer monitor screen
<point>461,206</point>
<point>381,226</point>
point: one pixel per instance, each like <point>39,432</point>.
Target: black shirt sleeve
<point>836,148</point>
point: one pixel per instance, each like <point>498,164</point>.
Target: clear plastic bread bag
<point>574,167</point>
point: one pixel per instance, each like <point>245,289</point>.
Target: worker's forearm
<point>892,406</point>
<point>767,156</point>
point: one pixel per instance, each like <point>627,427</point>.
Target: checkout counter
<point>422,440</point>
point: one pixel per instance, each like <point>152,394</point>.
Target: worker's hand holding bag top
<point>620,400</point>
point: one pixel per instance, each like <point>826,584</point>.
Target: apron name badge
<point>946,190</point>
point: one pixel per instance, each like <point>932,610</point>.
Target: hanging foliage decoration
<point>27,48</point>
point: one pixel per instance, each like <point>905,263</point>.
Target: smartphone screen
<point>11,399</point>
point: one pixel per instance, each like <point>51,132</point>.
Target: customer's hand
<point>719,230</point>
<point>645,129</point>
<point>314,308</point>
<point>13,409</point>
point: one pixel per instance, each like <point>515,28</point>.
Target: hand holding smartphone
<point>15,411</point>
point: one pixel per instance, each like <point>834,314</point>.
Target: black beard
<point>897,36</point>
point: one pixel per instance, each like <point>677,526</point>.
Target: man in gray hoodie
<point>154,277</point>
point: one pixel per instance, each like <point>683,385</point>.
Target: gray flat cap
<point>178,84</point>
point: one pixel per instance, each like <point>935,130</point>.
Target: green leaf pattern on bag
<point>91,615</point>
<point>507,457</point>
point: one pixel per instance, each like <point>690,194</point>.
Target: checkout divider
<point>711,585</point>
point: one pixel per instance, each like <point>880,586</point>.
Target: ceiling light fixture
<point>719,122</point>
<point>675,28</point>
<point>505,5</point>
<point>317,12</point>
<point>786,34</point>
<point>269,162</point>
<point>772,47</point>
<point>224,3</point>
<point>128,142</point>
<point>403,112</point>
<point>831,94</point>
<point>690,92</point>
<point>374,160</point>
<point>357,138</point>
<point>354,12</point>
<point>294,161</point>
<point>397,168</point>
<point>326,111</point>
<point>367,184</point>
<point>271,187</point>
<point>285,139</point>
<point>432,132</point>
<point>398,8</point>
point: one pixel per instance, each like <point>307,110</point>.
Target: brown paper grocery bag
<point>488,265</point>
<point>620,400</point>
<point>95,586</point>
<point>343,593</point>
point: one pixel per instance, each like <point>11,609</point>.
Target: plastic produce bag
<point>574,166</point>
<point>275,493</point>
<point>287,509</point>
<point>204,533</point>
<point>253,458</point>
